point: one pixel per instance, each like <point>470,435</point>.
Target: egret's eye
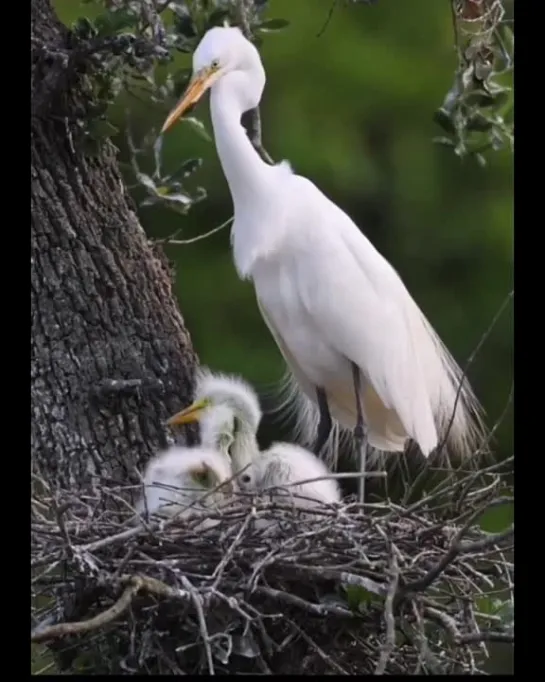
<point>245,478</point>
<point>215,63</point>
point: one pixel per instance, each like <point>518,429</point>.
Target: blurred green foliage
<point>353,110</point>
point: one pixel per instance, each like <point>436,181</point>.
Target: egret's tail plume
<point>292,407</point>
<point>458,413</point>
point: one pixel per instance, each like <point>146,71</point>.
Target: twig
<point>328,19</point>
<point>228,555</point>
<point>457,547</point>
<point>446,621</point>
<point>486,543</point>
<point>448,487</point>
<point>184,242</point>
<point>487,636</point>
<point>141,529</point>
<point>327,659</point>
<point>195,597</point>
<point>248,579</point>
<point>80,627</point>
<point>470,361</point>
<point>314,609</point>
<point>450,625</point>
<point>389,643</point>
<point>340,475</point>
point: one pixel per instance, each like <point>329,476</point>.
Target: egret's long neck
<point>245,171</point>
<point>245,448</point>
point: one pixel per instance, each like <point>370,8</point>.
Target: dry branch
<point>269,589</point>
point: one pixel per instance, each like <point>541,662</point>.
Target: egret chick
<point>217,428</point>
<point>286,469</point>
<point>283,465</point>
<point>356,343</point>
<point>180,476</point>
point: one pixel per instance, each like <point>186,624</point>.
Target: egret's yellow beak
<point>198,85</point>
<point>190,415</point>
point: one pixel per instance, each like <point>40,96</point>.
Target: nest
<point>385,589</point>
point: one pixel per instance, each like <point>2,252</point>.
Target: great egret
<point>181,476</point>
<point>357,345</point>
<point>281,466</point>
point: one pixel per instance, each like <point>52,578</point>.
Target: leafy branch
<point>122,48</point>
<point>476,114</point>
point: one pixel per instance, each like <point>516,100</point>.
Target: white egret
<point>356,343</point>
<point>281,466</point>
<point>181,476</point>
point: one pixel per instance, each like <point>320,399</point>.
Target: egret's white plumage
<point>330,299</point>
<point>286,467</point>
<point>181,476</point>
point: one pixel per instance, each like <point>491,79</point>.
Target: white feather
<point>170,485</point>
<point>287,469</point>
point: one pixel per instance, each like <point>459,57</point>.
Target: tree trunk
<point>110,356</point>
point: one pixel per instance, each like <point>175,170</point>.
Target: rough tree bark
<point>102,306</point>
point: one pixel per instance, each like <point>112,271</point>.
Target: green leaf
<point>445,141</point>
<point>84,28</point>
<point>504,608</point>
<point>443,119</point>
<point>101,129</point>
<point>273,25</point>
<point>185,26</point>
<point>146,181</point>
<point>497,519</point>
<point>217,18</point>
<point>481,98</point>
<point>198,127</point>
<point>358,598</point>
<point>178,198</point>
<point>186,169</point>
<point>479,123</point>
<point>183,44</point>
<point>111,22</point>
<point>180,81</point>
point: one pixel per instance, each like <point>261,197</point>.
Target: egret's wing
<point>298,402</point>
<point>288,357</point>
<point>353,296</point>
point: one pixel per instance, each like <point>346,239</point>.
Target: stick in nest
<point>239,579</point>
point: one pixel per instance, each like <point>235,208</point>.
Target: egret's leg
<point>359,431</point>
<point>325,424</point>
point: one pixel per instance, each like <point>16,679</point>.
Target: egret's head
<point>223,51</point>
<point>230,392</point>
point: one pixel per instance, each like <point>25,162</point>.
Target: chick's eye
<point>201,477</point>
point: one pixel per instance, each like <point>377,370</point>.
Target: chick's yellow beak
<point>198,85</point>
<point>190,415</point>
